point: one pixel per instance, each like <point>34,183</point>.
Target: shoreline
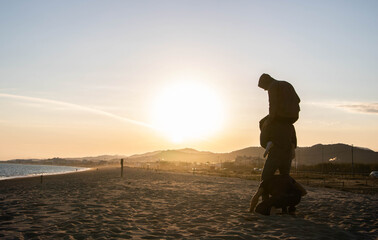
<point>77,170</point>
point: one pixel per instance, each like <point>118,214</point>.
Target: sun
<point>187,111</point>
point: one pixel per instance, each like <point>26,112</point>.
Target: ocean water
<point>8,171</point>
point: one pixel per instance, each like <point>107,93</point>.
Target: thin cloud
<point>371,108</point>
<point>366,108</point>
<point>76,107</point>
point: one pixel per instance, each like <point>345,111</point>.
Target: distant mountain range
<point>336,153</point>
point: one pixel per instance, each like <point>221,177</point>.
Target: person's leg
<point>293,200</point>
<point>285,164</point>
<point>255,199</point>
<point>292,210</point>
<point>264,207</point>
<point>285,157</point>
<point>287,202</point>
<point>284,210</point>
<point>281,152</point>
<point>269,169</point>
<point>279,202</point>
<point>270,166</point>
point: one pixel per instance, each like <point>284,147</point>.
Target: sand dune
<point>160,205</point>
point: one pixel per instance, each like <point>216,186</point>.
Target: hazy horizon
<point>173,149</point>
<point>88,78</point>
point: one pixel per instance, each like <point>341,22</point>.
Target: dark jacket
<point>283,135</point>
<point>283,101</point>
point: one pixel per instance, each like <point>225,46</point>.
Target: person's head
<point>265,81</point>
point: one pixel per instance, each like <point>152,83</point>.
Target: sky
<point>87,78</point>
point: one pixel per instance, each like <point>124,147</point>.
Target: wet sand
<point>161,205</point>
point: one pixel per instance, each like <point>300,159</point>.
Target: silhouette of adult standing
<point>278,127</point>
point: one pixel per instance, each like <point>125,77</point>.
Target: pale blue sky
<point>115,56</point>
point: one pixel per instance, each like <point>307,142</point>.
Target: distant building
<point>248,160</point>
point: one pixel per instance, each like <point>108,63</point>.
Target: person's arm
<point>269,146</point>
<point>255,199</point>
<point>264,132</point>
<point>273,101</point>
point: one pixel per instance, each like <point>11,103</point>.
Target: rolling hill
<point>336,153</point>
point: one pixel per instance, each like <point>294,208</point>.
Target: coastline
<point>151,204</point>
<point>77,169</point>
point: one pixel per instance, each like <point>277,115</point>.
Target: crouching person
<point>284,192</point>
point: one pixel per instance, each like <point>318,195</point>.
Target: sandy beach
<point>99,204</point>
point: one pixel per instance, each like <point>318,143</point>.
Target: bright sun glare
<point>186,111</point>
